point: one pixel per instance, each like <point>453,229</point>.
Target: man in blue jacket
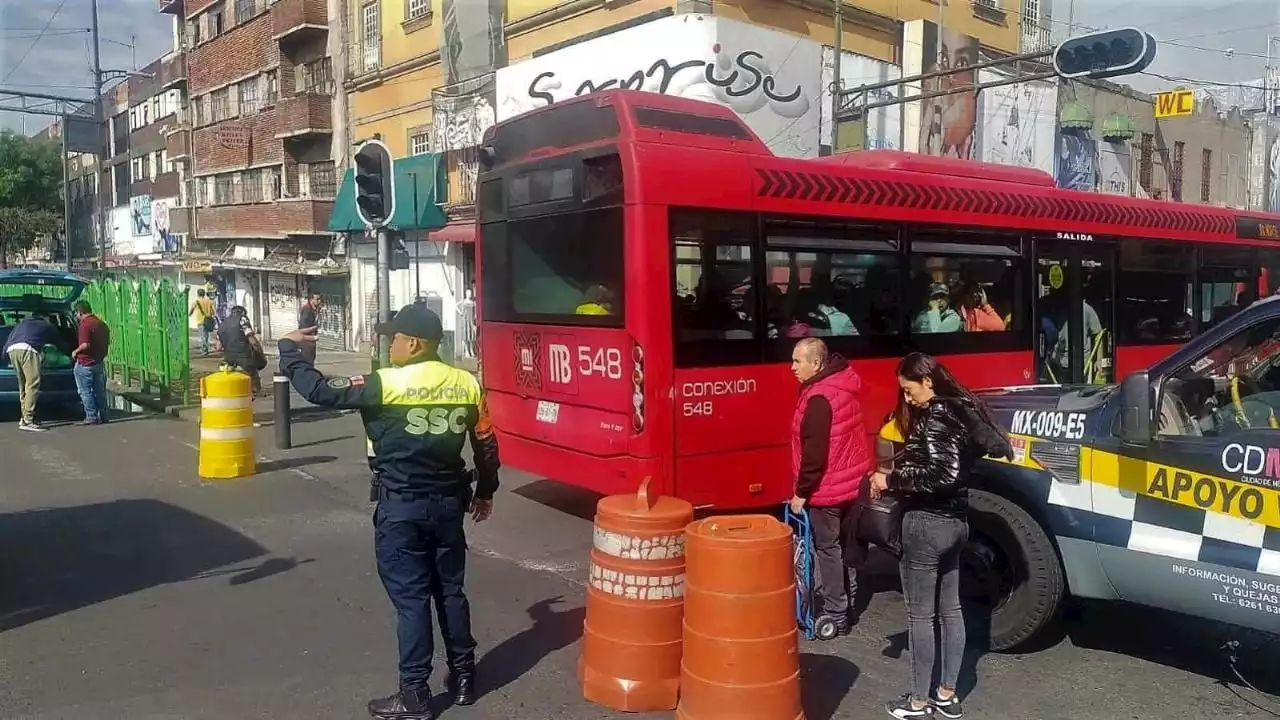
<point>25,348</point>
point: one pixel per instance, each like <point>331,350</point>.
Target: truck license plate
<point>548,412</point>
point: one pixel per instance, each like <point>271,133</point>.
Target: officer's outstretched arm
<point>336,392</point>
<point>484,449</point>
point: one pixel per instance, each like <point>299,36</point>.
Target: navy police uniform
<point>417,418</point>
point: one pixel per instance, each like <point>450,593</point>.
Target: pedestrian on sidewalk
<point>206,319</point>
<point>309,317</point>
<point>25,348</point>
<point>419,413</point>
<point>90,356</point>
<point>830,464</point>
<point>947,429</point>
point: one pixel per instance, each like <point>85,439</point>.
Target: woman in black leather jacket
<point>947,430</point>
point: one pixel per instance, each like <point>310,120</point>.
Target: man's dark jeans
<point>930,568</point>
<point>839,554</point>
<point>422,551</point>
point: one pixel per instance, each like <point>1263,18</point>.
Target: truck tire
<point>1025,598</point>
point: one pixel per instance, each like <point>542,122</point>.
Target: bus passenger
<point>977,313</point>
<point>598,300</point>
<point>830,461</point>
<point>938,317</point>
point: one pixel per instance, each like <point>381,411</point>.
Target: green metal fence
<point>150,342</point>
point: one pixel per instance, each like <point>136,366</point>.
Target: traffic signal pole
<point>384,295</point>
<point>376,207</point>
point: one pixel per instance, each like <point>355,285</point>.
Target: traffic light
<point>1105,54</point>
<point>375,184</point>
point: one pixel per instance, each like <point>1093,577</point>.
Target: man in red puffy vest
<point>830,460</point>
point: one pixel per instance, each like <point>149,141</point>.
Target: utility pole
<point>66,192</point>
<point>836,85</point>
<point>104,143</point>
<point>1269,76</point>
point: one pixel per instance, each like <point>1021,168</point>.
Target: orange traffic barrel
<point>741,645</point>
<point>631,640</point>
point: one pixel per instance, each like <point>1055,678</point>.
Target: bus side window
<point>714,292</point>
<point>961,293</point>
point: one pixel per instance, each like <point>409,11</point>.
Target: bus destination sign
<point>1257,229</point>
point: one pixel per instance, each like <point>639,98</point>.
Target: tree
<point>30,191</point>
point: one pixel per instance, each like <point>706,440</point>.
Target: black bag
<point>209,324</point>
<point>880,522</point>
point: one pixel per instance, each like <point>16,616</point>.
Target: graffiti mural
<point>1077,167</point>
<point>140,215</point>
<point>1018,123</point>
<point>947,124</point>
<point>164,240</point>
<point>771,79</point>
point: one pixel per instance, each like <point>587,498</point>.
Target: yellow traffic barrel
<point>226,426</point>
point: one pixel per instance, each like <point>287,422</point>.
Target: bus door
<point>1075,312</point>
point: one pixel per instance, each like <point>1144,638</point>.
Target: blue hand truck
<point>812,623</point>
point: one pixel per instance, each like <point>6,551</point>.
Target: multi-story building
<point>81,179</point>
<point>256,143</point>
<point>429,76</point>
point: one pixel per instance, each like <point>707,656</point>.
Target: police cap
<point>416,320</point>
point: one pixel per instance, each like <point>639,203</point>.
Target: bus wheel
<point>1011,581</point>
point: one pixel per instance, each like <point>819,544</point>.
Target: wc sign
<point>1176,103</point>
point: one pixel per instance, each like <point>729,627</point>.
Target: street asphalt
<point>131,589</point>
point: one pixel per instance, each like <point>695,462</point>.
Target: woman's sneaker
<point>949,708</point>
<point>902,708</point>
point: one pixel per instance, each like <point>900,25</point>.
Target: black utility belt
<point>459,491</point>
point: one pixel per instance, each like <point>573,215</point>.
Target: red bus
<point>646,263</point>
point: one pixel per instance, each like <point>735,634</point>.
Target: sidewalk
<point>332,363</point>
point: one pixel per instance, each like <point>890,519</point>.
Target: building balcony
<point>303,115</point>
<point>305,217</point>
<point>166,185</point>
<point>299,18</point>
<point>147,139</point>
<point>177,144</point>
<point>173,7</point>
<point>248,220</point>
<point>180,220</point>
<point>140,188</point>
<point>173,72</point>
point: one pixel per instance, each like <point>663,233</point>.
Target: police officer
<point>417,413</point>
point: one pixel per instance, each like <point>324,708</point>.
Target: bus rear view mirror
<point>1135,409</point>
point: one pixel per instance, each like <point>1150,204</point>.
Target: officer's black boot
<point>462,684</point>
<point>404,705</point>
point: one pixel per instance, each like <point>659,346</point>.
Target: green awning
<point>426,171</point>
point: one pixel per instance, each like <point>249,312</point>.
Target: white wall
<point>775,78</point>
<point>436,272</point>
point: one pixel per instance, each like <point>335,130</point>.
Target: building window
<point>420,143</point>
<point>140,169</point>
<point>223,190</point>
<point>273,87</point>
<point>250,95</point>
<point>221,105</point>
<point>315,78</point>
<point>321,179</point>
<point>194,28</point>
<point>415,9</point>
<point>371,37</point>
<point>1206,175</point>
<point>244,11</point>
<point>251,186</point>
<point>1145,161</point>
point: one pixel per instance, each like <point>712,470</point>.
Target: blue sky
<point>1198,32</point>
<point>59,62</point>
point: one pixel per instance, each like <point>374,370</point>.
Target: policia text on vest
<point>417,417</point>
